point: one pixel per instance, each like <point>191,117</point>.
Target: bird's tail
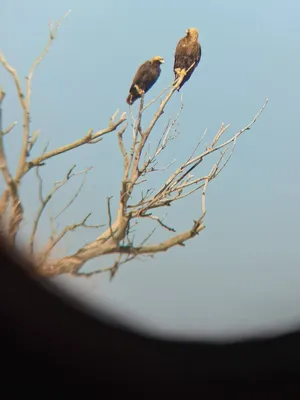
<point>129,99</point>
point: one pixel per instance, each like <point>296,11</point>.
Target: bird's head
<point>158,59</point>
<point>192,32</point>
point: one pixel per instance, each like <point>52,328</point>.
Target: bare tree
<point>115,237</point>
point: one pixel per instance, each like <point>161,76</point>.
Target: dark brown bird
<point>145,77</point>
<point>187,53</point>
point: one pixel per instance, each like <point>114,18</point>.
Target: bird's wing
<point>178,52</point>
<point>198,53</point>
<point>140,72</point>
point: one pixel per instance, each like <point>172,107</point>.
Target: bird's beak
<point>162,61</point>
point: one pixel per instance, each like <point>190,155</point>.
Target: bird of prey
<point>145,77</point>
<point>187,55</point>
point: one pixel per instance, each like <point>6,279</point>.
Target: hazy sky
<point>242,274</point>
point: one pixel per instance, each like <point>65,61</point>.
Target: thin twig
<point>109,216</point>
<point>156,98</point>
<point>12,192</point>
<point>26,101</point>
<point>9,128</point>
<point>76,193</point>
<point>88,138</point>
<point>155,218</point>
<point>45,201</point>
<point>117,237</point>
<point>67,229</point>
<point>16,215</point>
<point>195,161</point>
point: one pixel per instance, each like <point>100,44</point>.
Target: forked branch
<point>44,201</point>
<point>13,183</point>
<point>11,193</point>
<point>118,236</point>
<point>88,138</point>
<point>112,240</point>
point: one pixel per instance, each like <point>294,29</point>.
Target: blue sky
<point>241,275</point>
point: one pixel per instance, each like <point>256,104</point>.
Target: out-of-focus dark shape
<point>47,339</point>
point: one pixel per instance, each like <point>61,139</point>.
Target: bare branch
<point>112,269</point>
<point>177,240</point>
<point>220,132</point>
<point>156,98</point>
<point>118,237</point>
<point>226,162</point>
<point>137,149</point>
<point>122,147</point>
<point>159,113</point>
<point>4,203</point>
<point>85,172</point>
<point>15,77</point>
<point>4,168</point>
<point>88,138</point>
<point>140,114</point>
<point>52,35</point>
<point>16,215</point>
<point>195,161</point>
<point>162,144</point>
<point>109,216</point>
<point>16,211</point>
<point>45,201</point>
<point>155,218</point>
<point>32,141</point>
<point>232,139</point>
<point>198,145</point>
<point>26,101</point>
<point>105,245</point>
<point>67,229</point>
<point>72,264</point>
<point>203,198</point>
<point>9,128</point>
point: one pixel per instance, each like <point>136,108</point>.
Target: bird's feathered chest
<point>187,57</point>
<point>146,75</point>
<point>187,47</point>
<point>149,71</point>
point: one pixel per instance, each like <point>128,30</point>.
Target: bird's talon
<point>140,91</point>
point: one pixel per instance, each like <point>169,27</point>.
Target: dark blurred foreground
<point>48,340</point>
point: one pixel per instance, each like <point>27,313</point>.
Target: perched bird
<point>145,77</point>
<point>187,53</point>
